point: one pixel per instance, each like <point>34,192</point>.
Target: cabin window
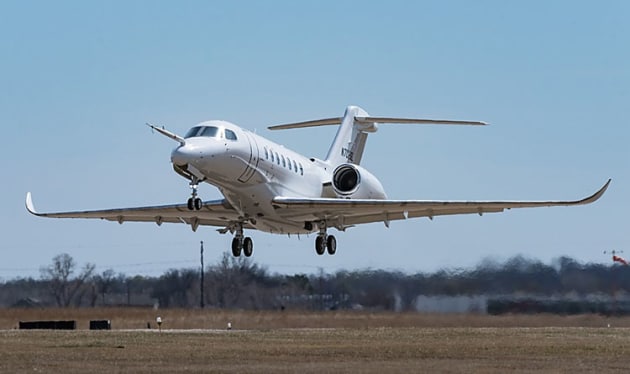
<point>272,158</point>
<point>230,135</point>
<point>284,162</point>
<point>295,166</point>
<point>277,158</point>
<point>266,154</point>
<point>301,169</point>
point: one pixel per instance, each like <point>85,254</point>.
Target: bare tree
<point>59,276</point>
<point>241,283</point>
<point>104,282</point>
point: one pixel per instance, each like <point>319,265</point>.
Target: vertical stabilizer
<point>350,140</point>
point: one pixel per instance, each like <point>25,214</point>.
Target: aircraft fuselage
<point>250,171</point>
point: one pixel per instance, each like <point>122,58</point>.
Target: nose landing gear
<point>194,203</point>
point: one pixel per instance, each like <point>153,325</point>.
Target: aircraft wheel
<point>248,246</point>
<point>236,247</point>
<point>191,205</point>
<point>331,245</point>
<point>320,245</point>
<point>198,204</point>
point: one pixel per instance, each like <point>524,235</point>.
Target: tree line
<point>243,284</point>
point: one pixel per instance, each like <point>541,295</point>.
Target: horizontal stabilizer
<point>394,120</point>
<point>314,123</point>
<point>420,121</point>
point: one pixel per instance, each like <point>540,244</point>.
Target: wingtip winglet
<point>605,187</point>
<point>598,194</point>
<point>29,204</point>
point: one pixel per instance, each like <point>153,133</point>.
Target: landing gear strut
<point>241,243</point>
<point>324,241</point>
<point>194,203</point>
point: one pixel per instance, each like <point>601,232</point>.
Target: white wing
<point>347,212</point>
<point>340,213</point>
<point>213,213</point>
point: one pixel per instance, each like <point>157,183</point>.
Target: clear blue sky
<point>78,80</point>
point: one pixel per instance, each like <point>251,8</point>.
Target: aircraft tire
<point>331,244</point>
<point>198,204</point>
<point>320,245</point>
<point>191,205</point>
<point>248,246</point>
<point>236,247</point>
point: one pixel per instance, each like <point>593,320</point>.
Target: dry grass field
<point>288,342</point>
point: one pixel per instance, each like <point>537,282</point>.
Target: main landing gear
<point>194,203</point>
<point>242,244</point>
<point>324,241</point>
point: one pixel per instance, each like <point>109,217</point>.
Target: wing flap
<point>377,217</point>
<point>454,210</point>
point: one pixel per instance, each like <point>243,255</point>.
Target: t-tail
<point>351,137</point>
<point>356,124</point>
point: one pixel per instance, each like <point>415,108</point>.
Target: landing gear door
<point>252,163</point>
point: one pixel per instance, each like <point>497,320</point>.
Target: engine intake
<point>346,179</point>
<point>351,181</point>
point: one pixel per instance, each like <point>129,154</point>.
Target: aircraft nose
<point>184,155</point>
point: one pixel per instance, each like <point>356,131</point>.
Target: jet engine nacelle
<point>351,181</point>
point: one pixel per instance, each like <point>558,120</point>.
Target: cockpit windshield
<point>209,132</point>
<point>193,132</point>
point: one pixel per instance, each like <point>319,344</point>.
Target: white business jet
<point>270,188</point>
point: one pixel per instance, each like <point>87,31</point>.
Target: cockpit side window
<point>230,135</point>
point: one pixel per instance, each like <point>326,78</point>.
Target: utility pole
<point>201,284</point>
